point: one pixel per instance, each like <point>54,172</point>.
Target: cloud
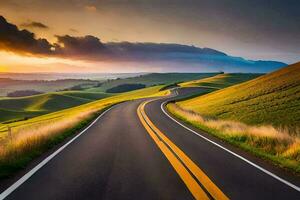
<point>35,24</point>
<point>87,47</point>
<point>22,41</point>
<point>91,48</point>
<point>159,48</point>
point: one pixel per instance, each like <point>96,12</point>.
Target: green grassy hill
<point>221,80</point>
<point>151,79</point>
<point>270,99</point>
<point>26,107</point>
<point>9,85</point>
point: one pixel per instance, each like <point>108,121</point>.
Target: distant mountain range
<point>185,58</point>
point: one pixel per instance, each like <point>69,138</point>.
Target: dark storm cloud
<point>21,41</point>
<point>34,24</point>
<point>91,48</point>
<point>158,51</point>
<point>87,47</point>
<point>159,48</point>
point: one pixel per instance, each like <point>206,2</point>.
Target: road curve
<point>235,177</point>
<point>116,158</point>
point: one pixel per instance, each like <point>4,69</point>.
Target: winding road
<point>137,151</point>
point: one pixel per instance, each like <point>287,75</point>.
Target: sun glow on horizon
<point>11,62</point>
<point>3,69</point>
<point>9,57</point>
<point>15,63</point>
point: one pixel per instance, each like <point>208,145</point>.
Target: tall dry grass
<point>31,140</point>
<point>277,142</point>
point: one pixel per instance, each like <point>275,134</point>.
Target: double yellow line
<point>194,178</point>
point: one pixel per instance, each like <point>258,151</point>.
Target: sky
<point>122,35</point>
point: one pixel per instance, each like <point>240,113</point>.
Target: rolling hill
<point>26,107</point>
<point>221,80</point>
<point>270,99</point>
<point>151,79</point>
<point>14,109</point>
<point>8,85</point>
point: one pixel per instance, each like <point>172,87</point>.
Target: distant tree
<point>99,84</point>
<point>125,88</point>
<point>76,87</point>
<point>23,93</point>
<point>170,86</point>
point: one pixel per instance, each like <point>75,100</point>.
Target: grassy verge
<point>22,141</point>
<point>276,145</point>
<point>20,150</point>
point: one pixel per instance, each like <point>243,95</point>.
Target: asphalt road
<point>117,159</point>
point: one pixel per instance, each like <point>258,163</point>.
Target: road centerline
<point>282,180</point>
<point>195,172</point>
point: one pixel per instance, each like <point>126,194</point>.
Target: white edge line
<point>24,178</point>
<point>231,152</point>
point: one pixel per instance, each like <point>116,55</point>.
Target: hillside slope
<point>152,79</point>
<point>221,80</point>
<point>270,99</point>
<point>24,107</point>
